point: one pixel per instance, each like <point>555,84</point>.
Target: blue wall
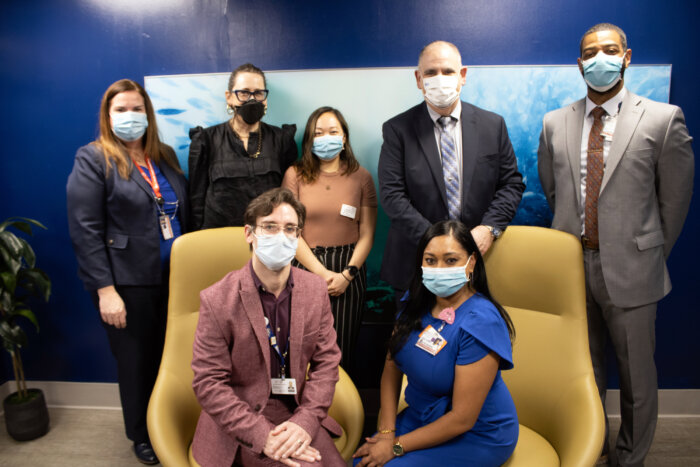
<point>57,59</point>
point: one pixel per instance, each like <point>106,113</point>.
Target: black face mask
<point>251,112</point>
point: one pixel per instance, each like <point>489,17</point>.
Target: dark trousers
<point>347,308</point>
<point>632,334</point>
<point>138,348</point>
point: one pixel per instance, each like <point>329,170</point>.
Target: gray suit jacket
<point>644,197</point>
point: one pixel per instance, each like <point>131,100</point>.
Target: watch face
<point>352,270</point>
<point>398,450</point>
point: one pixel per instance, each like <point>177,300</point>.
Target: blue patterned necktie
<point>450,167</point>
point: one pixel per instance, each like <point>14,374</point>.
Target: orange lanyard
<point>152,180</point>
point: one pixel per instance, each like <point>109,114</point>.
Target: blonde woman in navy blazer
<point>124,186</point>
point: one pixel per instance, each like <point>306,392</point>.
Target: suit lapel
<point>574,128</point>
<point>138,178</point>
<point>296,324</point>
<point>426,138</point>
<point>627,121</point>
<point>250,298</point>
<point>470,146</point>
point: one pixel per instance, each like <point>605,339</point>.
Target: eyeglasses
<point>259,95</point>
<point>274,229</point>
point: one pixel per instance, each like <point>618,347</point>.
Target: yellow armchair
<point>198,260</point>
<point>537,275</point>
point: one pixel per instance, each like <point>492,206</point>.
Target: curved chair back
<point>198,260</point>
<point>537,275</point>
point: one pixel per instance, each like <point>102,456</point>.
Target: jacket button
<point>257,407</point>
<point>110,241</point>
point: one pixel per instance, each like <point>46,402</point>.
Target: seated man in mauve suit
<point>259,329</point>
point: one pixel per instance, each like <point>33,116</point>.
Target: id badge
<point>431,341</point>
<point>284,386</point>
<point>165,228</point>
<point>609,129</point>
<point>348,211</point>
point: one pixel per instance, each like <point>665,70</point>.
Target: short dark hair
<point>245,68</point>
<point>604,27</point>
<point>264,204</point>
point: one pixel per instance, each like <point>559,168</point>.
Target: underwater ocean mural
<point>369,97</point>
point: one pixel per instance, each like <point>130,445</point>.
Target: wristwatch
<point>398,449</point>
<point>495,231</point>
<point>352,270</point>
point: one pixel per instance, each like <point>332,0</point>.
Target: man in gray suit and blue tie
<point>617,171</point>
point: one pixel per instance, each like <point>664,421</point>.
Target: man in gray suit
<point>617,171</point>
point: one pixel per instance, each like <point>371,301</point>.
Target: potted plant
<point>26,415</point>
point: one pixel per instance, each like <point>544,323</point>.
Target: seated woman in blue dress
<point>451,340</point>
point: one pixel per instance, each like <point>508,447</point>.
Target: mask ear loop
<point>470,276</point>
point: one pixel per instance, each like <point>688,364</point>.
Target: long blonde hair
<point>114,150</point>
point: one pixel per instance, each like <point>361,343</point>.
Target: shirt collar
<point>611,106</point>
<point>259,285</point>
<point>456,113</point>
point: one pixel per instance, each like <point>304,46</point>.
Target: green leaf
<point>12,335</point>
<point>11,244</point>
<point>9,281</point>
<point>6,302</point>
<point>29,314</point>
<point>9,263</point>
<point>36,282</point>
<point>28,253</point>
<point>21,223</point>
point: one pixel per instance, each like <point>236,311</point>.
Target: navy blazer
<point>412,186</point>
<point>113,222</point>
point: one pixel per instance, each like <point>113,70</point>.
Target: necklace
<point>257,153</point>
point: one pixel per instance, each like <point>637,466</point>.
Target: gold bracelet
<point>384,432</point>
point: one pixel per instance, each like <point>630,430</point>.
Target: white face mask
<point>275,251</point>
<point>441,90</point>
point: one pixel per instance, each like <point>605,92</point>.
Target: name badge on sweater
<point>284,386</point>
<point>348,211</point>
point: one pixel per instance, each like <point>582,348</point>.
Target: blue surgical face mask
<point>276,251</point>
<point>327,147</point>
<point>603,71</point>
<point>129,126</point>
<point>444,282</point>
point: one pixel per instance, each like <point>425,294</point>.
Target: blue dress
<point>477,330</point>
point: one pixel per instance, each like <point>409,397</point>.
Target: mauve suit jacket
<point>412,185</point>
<point>644,197</point>
<point>231,364</point>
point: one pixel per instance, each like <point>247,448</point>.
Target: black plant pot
<point>28,419</point>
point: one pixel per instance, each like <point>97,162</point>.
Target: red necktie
<point>594,176</point>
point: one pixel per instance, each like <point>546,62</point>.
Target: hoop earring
<point>470,276</point>
<point>229,109</point>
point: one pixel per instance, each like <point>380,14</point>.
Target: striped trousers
<point>347,308</point>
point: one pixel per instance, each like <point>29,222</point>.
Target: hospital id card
<point>284,386</point>
<point>431,341</point>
